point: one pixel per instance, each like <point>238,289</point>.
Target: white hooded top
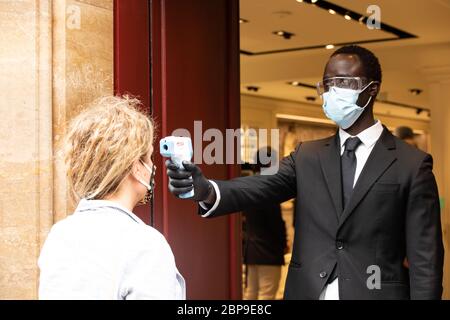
<point>105,252</point>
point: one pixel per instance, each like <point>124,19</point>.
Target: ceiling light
<point>299,0</point>
<point>329,47</point>
<point>347,17</point>
<point>285,34</point>
<point>314,1</point>
<point>415,92</point>
<point>301,84</point>
<point>253,88</point>
<point>331,11</point>
<point>243,21</point>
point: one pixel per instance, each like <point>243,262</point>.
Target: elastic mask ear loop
<point>149,194</point>
<point>364,89</point>
<point>149,188</point>
<point>368,101</point>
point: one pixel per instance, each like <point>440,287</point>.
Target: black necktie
<point>348,165</point>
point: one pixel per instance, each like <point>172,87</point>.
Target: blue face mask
<point>340,105</point>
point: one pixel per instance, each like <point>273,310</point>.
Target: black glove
<point>183,181</point>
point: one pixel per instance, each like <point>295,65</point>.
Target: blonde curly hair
<point>102,144</point>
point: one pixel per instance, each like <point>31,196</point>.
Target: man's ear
<point>374,89</point>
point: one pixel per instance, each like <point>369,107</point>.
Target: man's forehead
<point>344,65</point>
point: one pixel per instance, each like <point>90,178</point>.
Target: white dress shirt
<point>105,252</point>
<point>368,137</point>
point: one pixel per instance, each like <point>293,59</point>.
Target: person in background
<point>406,134</point>
<point>265,244</point>
<point>104,251</point>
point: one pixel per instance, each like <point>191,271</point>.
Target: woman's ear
<point>135,168</point>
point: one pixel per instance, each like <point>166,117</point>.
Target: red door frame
<point>146,71</point>
<point>132,59</point>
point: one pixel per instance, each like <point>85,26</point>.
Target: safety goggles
<point>352,83</point>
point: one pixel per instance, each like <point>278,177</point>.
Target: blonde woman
<point>103,250</point>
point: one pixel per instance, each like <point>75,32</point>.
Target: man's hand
<point>183,181</point>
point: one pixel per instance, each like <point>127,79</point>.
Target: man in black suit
<point>366,200</point>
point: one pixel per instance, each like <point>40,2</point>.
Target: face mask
<point>340,105</point>
<point>149,195</point>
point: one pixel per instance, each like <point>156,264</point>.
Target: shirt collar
<point>91,205</point>
<point>368,137</point>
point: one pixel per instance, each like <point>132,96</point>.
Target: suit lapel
<point>330,161</point>
<point>380,159</point>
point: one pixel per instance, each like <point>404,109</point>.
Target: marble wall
<point>82,70</point>
<point>54,57</point>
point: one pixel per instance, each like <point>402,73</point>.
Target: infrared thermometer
<point>178,149</point>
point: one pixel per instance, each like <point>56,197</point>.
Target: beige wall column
<point>83,67</point>
<point>54,57</point>
<point>26,143</point>
<point>439,80</point>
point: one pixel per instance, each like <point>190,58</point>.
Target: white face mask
<point>340,105</point>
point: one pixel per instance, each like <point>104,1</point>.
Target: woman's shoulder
<point>150,233</point>
<point>149,246</point>
<point>149,237</point>
<point>62,226</point>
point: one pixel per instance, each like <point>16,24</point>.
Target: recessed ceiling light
<point>329,47</point>
<point>243,21</point>
<point>285,34</point>
<point>314,1</point>
<point>415,92</point>
<point>331,11</point>
<point>294,83</point>
<point>299,0</point>
<point>253,88</point>
<point>347,17</point>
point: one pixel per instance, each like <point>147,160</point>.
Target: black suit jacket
<point>394,213</point>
